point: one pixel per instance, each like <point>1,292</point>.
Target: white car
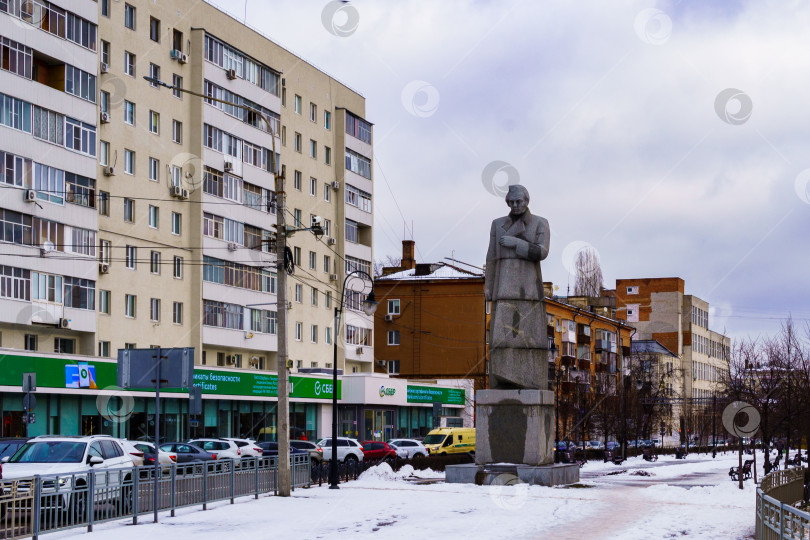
<point>347,449</point>
<point>408,448</point>
<point>248,447</point>
<point>73,459</point>
<point>139,449</point>
<point>222,448</point>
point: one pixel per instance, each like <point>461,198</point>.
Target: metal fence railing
<point>777,518</point>
<point>48,503</point>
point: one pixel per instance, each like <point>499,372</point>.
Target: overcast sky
<point>669,136</point>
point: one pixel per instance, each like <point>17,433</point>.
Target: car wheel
<point>351,459</point>
<point>389,460</point>
<point>418,455</point>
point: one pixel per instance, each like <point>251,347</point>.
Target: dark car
<point>270,449</point>
<point>187,453</point>
<point>378,451</point>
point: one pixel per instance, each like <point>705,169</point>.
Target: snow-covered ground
<point>669,498</point>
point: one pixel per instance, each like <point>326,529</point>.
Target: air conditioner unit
<point>335,185</point>
<point>254,361</point>
<point>109,171</point>
<point>333,277</point>
<point>586,330</point>
<point>382,363</point>
<point>331,242</point>
<point>176,54</point>
<point>104,67</point>
<point>184,194</point>
<point>389,318</point>
<point>359,350</point>
<point>231,74</point>
<point>30,195</point>
<point>103,268</point>
<point>228,166</point>
<point>289,364</point>
<point>64,323</point>
<point>232,246</point>
<point>105,118</point>
<point>230,359</point>
<point>176,191</point>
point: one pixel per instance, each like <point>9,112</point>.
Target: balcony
<point>583,334</point>
<point>601,345</point>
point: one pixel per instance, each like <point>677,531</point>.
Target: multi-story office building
<point>138,216</point>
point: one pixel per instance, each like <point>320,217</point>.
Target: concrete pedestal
<point>555,474</point>
<point>514,426</point>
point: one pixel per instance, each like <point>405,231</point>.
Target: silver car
<point>408,448</point>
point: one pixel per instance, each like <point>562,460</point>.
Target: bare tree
<point>388,260</point>
<point>589,281</point>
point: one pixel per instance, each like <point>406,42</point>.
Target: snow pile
<point>384,473</point>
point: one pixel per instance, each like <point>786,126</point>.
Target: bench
<point>734,472</point>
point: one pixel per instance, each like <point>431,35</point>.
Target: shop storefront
<point>376,407</point>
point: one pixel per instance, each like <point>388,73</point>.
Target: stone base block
<point>514,426</point>
<point>518,368</point>
<point>505,474</point>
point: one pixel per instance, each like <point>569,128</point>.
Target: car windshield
<point>50,452</point>
<point>434,439</point>
<point>9,448</point>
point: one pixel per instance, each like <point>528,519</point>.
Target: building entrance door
<point>379,425</point>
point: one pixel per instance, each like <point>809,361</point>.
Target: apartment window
<point>154,72</point>
<point>129,16</point>
<point>327,155</point>
<point>299,293</point>
<point>283,97</point>
<point>129,63</point>
<point>313,187</point>
<point>297,142</point>
<point>129,210</point>
<point>312,259</point>
<point>297,104</point>
<point>299,331</point>
<point>105,251</point>
<point>393,307</point>
<point>105,7</point>
<point>313,149</point>
<point>297,216</point>
<point>129,113</point>
<point>177,82</point>
<point>64,345</point>
<point>104,302</point>
<point>352,234</point>
<point>154,169</point>
<point>393,337</point>
<point>358,164</point>
<point>104,102</point>
<point>313,112</point>
<point>130,346</point>
<point>154,122</point>
<point>154,262</point>
<point>327,263</point>
<point>328,338</point>
<point>178,267</point>
<point>129,161</point>
<point>327,227</point>
<point>31,342</point>
<point>327,193</point>
<point>131,257</point>
<point>632,312</point>
<point>297,180</point>
<point>313,333</point>
<point>104,153</point>
<point>104,349</point>
<point>313,296</point>
<point>327,120</point>
<point>632,290</point>
<point>154,29</point>
<point>153,217</point>
<point>283,135</point>
<point>177,223</point>
<point>177,131</point>
<point>328,302</point>
<point>130,305</point>
<point>103,203</point>
<point>177,312</point>
<point>154,310</point>
<point>393,367</point>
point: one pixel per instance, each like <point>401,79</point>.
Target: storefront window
<point>304,421</point>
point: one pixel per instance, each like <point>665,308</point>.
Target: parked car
<point>143,453</point>
<point>248,447</point>
<point>315,451</point>
<point>378,450</point>
<point>595,445</point>
<point>10,445</point>
<point>409,448</point>
<point>222,448</point>
<point>187,452</point>
<point>270,449</point>
<point>444,441</point>
<point>347,449</point>
<point>612,445</point>
<point>74,459</point>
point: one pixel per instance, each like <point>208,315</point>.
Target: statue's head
<point>517,198</point>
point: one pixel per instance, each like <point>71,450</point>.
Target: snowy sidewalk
<point>383,505</point>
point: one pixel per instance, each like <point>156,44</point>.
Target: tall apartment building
<point>660,311</point>
<point>137,216</point>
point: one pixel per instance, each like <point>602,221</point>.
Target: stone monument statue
<point>514,285</point>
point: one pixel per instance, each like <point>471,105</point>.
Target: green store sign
<point>431,394</point>
<point>58,373</point>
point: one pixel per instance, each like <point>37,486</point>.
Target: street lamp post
<point>284,476</point>
<point>369,307</point>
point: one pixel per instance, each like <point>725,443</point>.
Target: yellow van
<point>446,440</point>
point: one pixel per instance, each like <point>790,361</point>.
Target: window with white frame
<point>154,169</point>
<point>129,113</point>
<point>131,257</point>
<point>299,331</point>
<point>313,187</point>
<point>313,333</point>
<point>129,162</point>
<point>154,262</point>
<point>177,223</point>
<point>299,293</point>
<point>177,312</point>
<point>177,131</point>
<point>393,306</point>
<point>129,63</point>
<point>393,367</point>
<point>153,217</point>
<point>393,337</point>
<point>129,16</point>
<point>314,296</point>
<point>130,305</point>
<point>154,122</point>
<point>177,267</point>
<point>154,310</point>
<point>129,210</point>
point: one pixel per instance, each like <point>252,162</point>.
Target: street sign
<point>29,382</point>
<point>136,367</point>
<point>29,402</point>
<point>195,400</point>
<point>193,423</point>
<point>30,418</point>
